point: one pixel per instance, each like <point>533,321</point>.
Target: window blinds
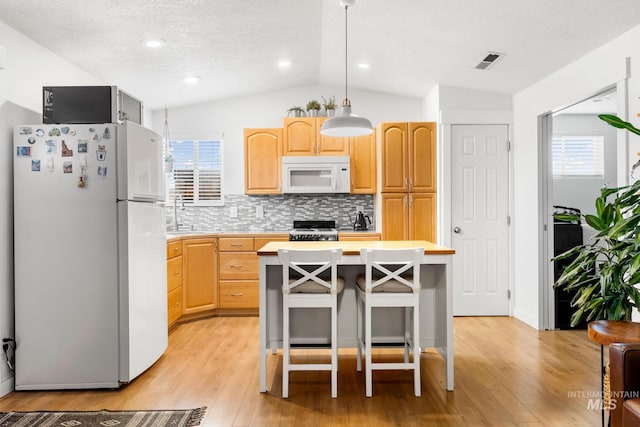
<point>197,172</point>
<point>578,156</point>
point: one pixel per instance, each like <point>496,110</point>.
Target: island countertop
<point>353,247</point>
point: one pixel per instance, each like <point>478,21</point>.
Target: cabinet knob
<point>238,294</point>
<point>175,249</point>
<point>175,273</point>
<point>236,266</point>
<point>236,244</point>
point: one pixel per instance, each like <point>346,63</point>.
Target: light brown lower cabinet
<point>200,258</point>
<point>174,282</point>
<point>409,216</point>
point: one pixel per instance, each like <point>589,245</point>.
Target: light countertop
<point>353,247</point>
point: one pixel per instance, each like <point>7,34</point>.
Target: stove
<point>313,231</point>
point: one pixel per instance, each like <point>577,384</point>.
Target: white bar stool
<point>391,279</point>
<point>304,286</point>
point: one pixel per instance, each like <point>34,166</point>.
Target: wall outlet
<point>233,211</point>
<point>259,211</point>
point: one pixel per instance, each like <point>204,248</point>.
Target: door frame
<point>545,225</point>
<point>449,118</point>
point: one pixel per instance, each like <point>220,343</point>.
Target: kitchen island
<point>312,326</point>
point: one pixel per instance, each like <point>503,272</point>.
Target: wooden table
<point>605,332</point>
<point>436,308</point>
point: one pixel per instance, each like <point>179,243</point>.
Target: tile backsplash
<point>279,212</point>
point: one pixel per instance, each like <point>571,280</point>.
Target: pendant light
<point>345,123</point>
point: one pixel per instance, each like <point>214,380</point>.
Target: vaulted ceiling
<point>235,46</point>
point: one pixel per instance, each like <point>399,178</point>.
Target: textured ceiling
<point>235,45</point>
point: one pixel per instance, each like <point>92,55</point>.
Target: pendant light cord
<point>346,56</point>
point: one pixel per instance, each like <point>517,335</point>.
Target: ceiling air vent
<point>488,60</point>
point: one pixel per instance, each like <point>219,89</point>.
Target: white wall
<point>582,78</point>
<point>266,110</point>
<point>29,66</point>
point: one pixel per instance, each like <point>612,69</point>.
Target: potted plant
<point>295,112</point>
<point>313,107</point>
<point>330,106</point>
<point>606,270</point>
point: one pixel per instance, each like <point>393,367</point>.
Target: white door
<point>479,219</point>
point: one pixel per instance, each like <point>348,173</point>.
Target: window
<point>578,156</point>
<point>197,172</point>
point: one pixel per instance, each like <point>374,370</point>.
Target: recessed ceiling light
<point>154,43</point>
<point>364,65</point>
<point>285,63</point>
<point>191,80</point>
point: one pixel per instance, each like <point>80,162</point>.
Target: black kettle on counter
<point>360,223</point>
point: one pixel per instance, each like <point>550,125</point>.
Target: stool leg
<point>334,348</point>
<point>285,353</point>
<point>358,332</point>
<point>367,351</point>
<point>416,351</point>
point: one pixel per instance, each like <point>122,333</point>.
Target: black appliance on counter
<point>566,235</point>
<point>314,230</point>
<point>360,223</point>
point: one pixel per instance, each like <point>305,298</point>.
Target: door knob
<point>457,230</point>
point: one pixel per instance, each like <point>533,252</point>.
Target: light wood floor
<point>506,374</point>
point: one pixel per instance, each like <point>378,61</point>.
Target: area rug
<point>104,418</point>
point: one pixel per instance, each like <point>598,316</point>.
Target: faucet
<point>177,200</point>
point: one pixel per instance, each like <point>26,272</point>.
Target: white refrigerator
<point>90,255</point>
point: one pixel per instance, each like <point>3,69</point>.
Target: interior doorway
<point>580,154</point>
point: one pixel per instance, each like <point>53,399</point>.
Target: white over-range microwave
<point>316,174</point>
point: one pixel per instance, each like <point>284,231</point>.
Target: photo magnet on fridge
<point>35,165</point>
<point>102,171</point>
<point>66,152</point>
<point>51,146</point>
<point>67,167</point>
<point>82,146</point>
<point>23,151</point>
<point>101,153</point>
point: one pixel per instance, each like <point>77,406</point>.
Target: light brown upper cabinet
<point>263,161</point>
<point>408,157</point>
<point>363,164</point>
<point>302,138</point>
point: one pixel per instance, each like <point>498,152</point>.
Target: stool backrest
<point>400,265</point>
<point>307,266</point>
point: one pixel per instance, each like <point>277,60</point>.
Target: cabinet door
<point>394,148</point>
<point>262,161</point>
<point>394,216</point>
<point>422,157</point>
<point>200,262</point>
<point>300,136</point>
<point>422,216</point>
<point>363,164</point>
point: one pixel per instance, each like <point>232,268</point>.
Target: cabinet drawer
<point>174,273</point>
<point>174,301</point>
<point>238,265</point>
<point>239,294</point>
<point>235,244</point>
<point>261,241</point>
<point>174,249</point>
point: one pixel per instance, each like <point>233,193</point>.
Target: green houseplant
<point>313,107</point>
<point>606,270</point>
<point>330,105</point>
